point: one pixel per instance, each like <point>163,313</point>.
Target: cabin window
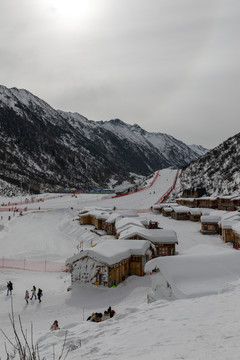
<point>163,251</point>
<point>211,227</point>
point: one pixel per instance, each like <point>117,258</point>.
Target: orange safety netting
<point>41,266</point>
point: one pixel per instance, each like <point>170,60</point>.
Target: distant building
<point>194,192</point>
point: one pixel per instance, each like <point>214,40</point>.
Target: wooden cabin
<point>85,219</point>
<point>99,220</point>
<point>167,211</point>
<point>180,213</point>
<point>227,232</point>
<point>110,223</point>
<point>226,203</point>
<point>210,224</point>
<point>195,214</point>
<point>156,209</point>
<point>110,262</point>
<point>190,202</point>
<point>194,192</point>
<point>164,240</point>
<point>208,202</point>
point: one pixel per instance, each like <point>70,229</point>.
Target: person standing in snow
<point>34,291</point>
<point>9,287</point>
<point>39,294</point>
<point>26,296</point>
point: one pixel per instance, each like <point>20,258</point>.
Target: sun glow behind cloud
<point>72,14</point>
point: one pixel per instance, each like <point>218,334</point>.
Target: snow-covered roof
<point>113,217</point>
<point>125,222</point>
<point>229,219</point>
<point>112,251</point>
<point>213,219</point>
<point>160,206</point>
<point>157,206</point>
<point>127,213</point>
<point>98,208</point>
<point>143,220</point>
<point>195,211</point>
<point>187,199</point>
<point>203,270</point>
<point>236,227</point>
<point>181,209</point>
<point>211,198</point>
<point>205,211</point>
<point>160,236</point>
<point>229,224</point>
<point>167,209</point>
<point>98,214</point>
<point>225,197</point>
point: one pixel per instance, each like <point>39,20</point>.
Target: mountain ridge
<point>218,171</point>
<point>58,149</point>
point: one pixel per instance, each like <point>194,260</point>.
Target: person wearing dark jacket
<point>9,287</point>
<point>39,294</point>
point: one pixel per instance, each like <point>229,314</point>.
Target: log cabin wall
<point>164,249</point>
<point>180,215</point>
<point>85,220</point>
<point>209,228</point>
<point>195,217</point>
<point>119,272</point>
<point>228,235</point>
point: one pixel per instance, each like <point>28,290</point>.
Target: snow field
<point>201,328</point>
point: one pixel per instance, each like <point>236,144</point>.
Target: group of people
<point>35,294</point>
<point>96,317</point>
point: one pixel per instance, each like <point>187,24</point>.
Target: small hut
<point>190,202</point>
<point>227,231</point>
<point>226,203</point>
<point>164,240</point>
<point>208,202</point>
<point>210,224</point>
<point>180,213</point>
<point>195,214</point>
<point>110,262</point>
<point>167,211</point>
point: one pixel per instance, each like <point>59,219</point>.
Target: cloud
<point>168,66</point>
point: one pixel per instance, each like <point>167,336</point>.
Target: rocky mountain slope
<point>41,145</point>
<point>218,170</point>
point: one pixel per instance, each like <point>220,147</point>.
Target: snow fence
<point>41,266</point>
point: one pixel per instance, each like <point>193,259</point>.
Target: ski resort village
<point>142,274</point>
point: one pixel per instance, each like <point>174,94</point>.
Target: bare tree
<point>23,347</point>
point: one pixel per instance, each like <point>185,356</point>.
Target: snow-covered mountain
<point>200,150</point>
<point>41,145</point>
<point>218,170</point>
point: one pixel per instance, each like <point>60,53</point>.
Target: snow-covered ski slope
<point>198,328</point>
<point>145,198</point>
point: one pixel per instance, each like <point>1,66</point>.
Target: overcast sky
<point>169,66</point>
